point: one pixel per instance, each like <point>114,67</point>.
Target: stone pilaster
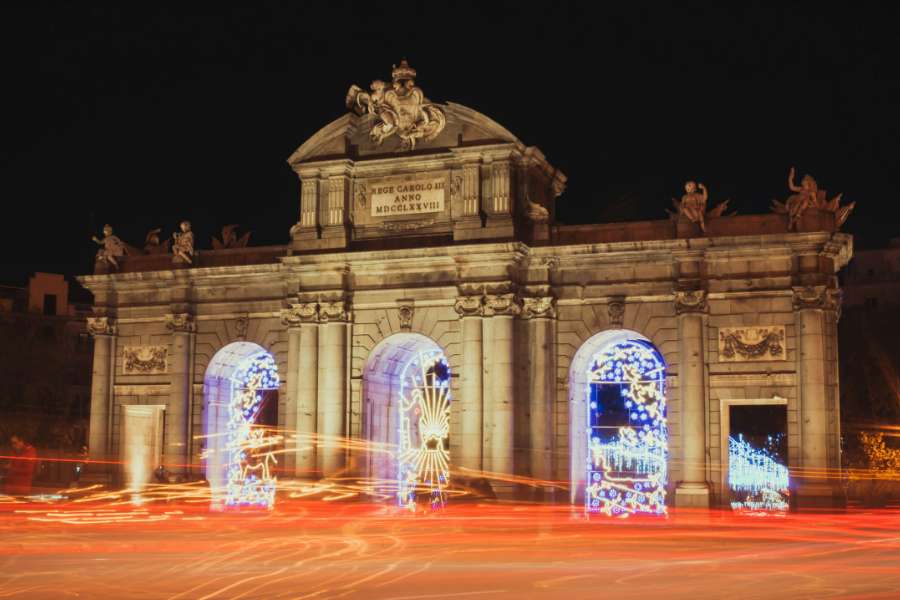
<point>693,489</point>
<point>103,330</point>
<point>471,310</point>
<point>302,321</point>
<point>814,487</point>
<point>332,387</point>
<point>541,314</point>
<point>502,310</point>
<point>176,447</point>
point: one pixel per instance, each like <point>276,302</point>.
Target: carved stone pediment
<point>748,344</point>
<point>144,360</point>
<point>690,301</point>
<point>101,326</point>
<point>180,323</point>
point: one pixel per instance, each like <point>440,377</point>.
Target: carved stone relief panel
<point>747,344</point>
<point>144,360</point>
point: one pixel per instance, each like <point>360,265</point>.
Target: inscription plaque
<point>407,195</point>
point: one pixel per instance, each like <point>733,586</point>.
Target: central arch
<point>406,386</point>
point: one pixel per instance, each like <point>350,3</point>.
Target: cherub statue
<point>111,247</point>
<point>230,238</point>
<point>363,102</point>
<point>183,248</point>
<point>804,196</point>
<point>153,245</point>
<point>693,205</point>
<point>808,195</point>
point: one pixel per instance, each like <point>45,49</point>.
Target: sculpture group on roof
<point>402,110</point>
<point>181,244</point>
<point>807,195</point>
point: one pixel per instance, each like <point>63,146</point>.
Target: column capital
<point>540,307</point>
<point>690,302</point>
<point>333,311</point>
<point>297,314</point>
<point>469,306</point>
<point>817,297</point>
<point>101,326</point>
<point>180,323</point>
<point>502,305</point>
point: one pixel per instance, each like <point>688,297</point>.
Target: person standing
<point>21,468</point>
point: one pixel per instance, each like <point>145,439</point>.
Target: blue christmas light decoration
<point>250,448</point>
<point>423,457</point>
<point>626,466</point>
<point>757,480</point>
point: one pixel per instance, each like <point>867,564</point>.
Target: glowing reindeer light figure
<point>423,457</point>
<point>249,448</point>
<point>626,472</point>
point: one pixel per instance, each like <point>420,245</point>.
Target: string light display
<point>758,482</point>
<point>626,469</point>
<point>423,455</point>
<point>249,448</point>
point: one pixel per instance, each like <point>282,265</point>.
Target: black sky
<point>143,114</point>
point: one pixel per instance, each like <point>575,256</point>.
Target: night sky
<point>140,115</point>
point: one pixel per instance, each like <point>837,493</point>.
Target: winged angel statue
<point>402,110</point>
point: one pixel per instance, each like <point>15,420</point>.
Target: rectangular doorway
<point>141,447</point>
<point>754,455</point>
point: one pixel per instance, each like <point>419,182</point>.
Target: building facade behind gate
<point>423,221</point>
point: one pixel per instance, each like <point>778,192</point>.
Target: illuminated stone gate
<point>432,221</point>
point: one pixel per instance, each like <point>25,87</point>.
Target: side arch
<point>623,359</point>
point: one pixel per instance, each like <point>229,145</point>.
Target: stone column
<point>540,313</point>
<point>472,401</point>
<point>176,457</point>
<point>813,487</point>
<point>103,330</point>
<point>303,320</point>
<point>290,402</point>
<point>332,384</point>
<point>502,309</point>
<point>693,489</point>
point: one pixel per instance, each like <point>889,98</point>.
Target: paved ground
<point>319,549</point>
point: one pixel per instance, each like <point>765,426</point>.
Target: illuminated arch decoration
<point>250,448</point>
<point>423,456</point>
<point>627,434</point>
<point>758,482</point>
